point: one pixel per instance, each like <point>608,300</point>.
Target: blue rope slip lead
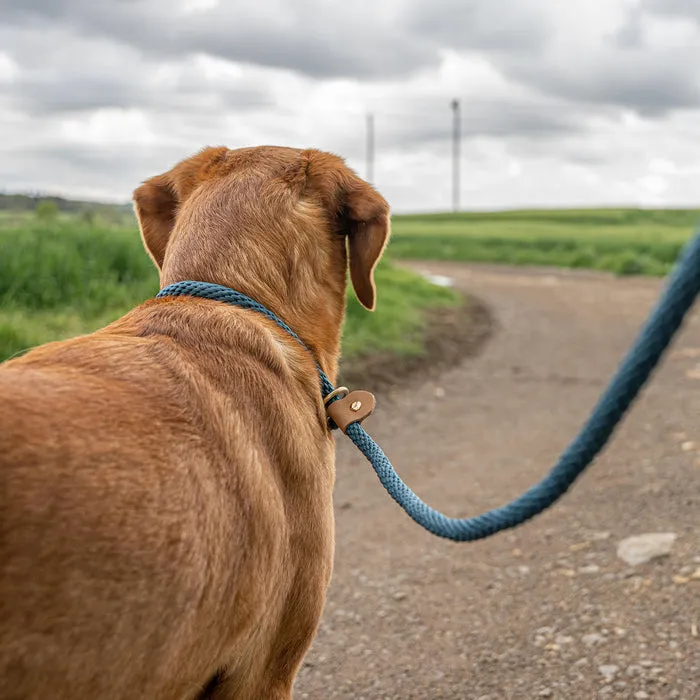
<point>656,335</point>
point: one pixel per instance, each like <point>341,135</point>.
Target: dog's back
<point>166,517</point>
<point>141,502</point>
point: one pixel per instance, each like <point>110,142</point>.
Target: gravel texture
<point>548,610</point>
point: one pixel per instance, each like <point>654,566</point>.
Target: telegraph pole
<point>456,139</point>
<point>370,148</point>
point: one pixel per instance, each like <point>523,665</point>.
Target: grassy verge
<point>397,324</point>
<point>622,241</point>
<point>64,278</point>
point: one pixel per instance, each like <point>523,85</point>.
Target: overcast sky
<point>564,102</point>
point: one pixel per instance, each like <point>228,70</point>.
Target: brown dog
<point>166,519</point>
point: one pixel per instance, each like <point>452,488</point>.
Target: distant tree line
<point>29,202</point>
<point>48,208</point>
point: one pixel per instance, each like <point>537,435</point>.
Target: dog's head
<point>274,221</point>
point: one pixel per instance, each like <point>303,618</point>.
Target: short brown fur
<point>166,521</point>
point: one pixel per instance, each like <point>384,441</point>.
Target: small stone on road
<point>645,548</point>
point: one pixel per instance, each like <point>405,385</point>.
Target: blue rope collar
<point>656,335</point>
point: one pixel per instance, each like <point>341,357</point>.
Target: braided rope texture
<point>653,340</point>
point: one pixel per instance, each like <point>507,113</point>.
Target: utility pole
<point>456,139</point>
<point>370,148</point>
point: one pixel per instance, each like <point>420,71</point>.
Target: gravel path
<point>549,610</point>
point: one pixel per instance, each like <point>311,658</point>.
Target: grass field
<point>72,274</point>
<point>67,277</point>
<point>622,241</point>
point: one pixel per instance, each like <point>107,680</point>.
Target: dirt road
<point>548,610</point>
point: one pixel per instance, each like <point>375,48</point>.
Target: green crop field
<point>622,241</point>
<point>63,277</point>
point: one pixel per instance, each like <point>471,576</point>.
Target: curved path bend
<point>547,610</point>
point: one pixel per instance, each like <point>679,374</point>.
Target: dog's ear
<point>361,213</point>
<point>155,204</point>
<point>157,200</point>
<point>367,214</point>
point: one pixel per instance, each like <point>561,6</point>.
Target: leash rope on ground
<point>656,335</point>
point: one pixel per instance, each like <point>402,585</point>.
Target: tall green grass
<point>63,278</point>
<point>72,265</point>
<point>66,277</point>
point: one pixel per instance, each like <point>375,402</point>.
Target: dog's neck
<point>305,287</point>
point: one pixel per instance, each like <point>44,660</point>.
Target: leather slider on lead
<point>352,408</point>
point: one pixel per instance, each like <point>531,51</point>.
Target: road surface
<point>548,610</point>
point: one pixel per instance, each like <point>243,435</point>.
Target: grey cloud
<point>314,37</point>
<point>59,73</point>
<point>652,84</point>
<point>322,39</point>
<point>631,34</point>
<point>502,25</point>
<point>368,40</point>
<point>631,74</point>
<point>75,92</point>
<point>67,165</point>
<point>673,8</point>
